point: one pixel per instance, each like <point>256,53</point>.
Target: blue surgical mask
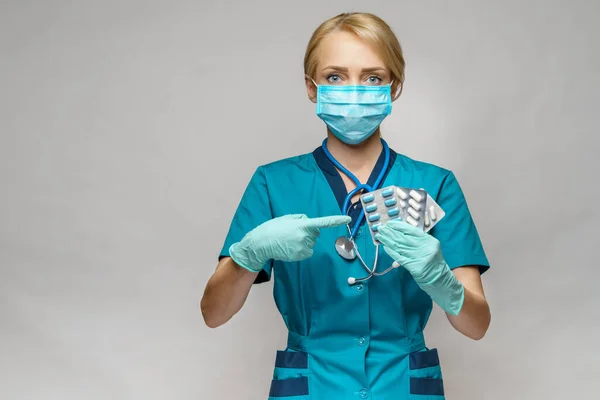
<point>353,113</point>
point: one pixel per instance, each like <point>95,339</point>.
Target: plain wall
<point>129,130</point>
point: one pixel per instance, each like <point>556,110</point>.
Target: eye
<point>374,80</point>
<point>334,78</point>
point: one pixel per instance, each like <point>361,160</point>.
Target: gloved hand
<point>286,238</point>
<point>421,254</point>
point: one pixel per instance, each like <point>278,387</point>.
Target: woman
<point>361,340</point>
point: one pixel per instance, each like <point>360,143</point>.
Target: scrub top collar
<point>336,182</point>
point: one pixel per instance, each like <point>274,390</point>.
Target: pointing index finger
<point>329,222</point>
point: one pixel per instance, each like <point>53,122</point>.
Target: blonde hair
<point>368,27</point>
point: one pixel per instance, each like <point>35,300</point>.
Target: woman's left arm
<point>474,317</point>
<point>458,291</point>
<point>448,262</point>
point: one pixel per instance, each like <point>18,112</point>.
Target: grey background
<point>129,130</point>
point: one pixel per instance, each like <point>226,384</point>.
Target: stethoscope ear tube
<point>353,280</point>
<point>372,272</point>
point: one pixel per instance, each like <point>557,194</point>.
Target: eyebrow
<point>338,68</point>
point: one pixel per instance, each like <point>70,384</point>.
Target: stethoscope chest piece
<point>345,248</point>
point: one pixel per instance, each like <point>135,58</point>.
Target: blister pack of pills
<point>413,206</point>
<point>433,213</point>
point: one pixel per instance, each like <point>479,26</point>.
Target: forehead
<point>346,49</point>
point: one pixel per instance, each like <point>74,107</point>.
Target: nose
<point>354,80</point>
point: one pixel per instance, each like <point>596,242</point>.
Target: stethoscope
<point>345,246</point>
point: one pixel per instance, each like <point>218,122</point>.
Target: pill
<point>402,204</point>
<point>411,221</point>
<point>390,202</point>
<point>387,192</point>
<point>427,221</point>
<point>416,195</point>
<point>375,227</point>
<point>415,214</point>
<point>401,193</point>
<point>414,204</point>
<point>374,217</point>
<point>367,198</point>
<point>433,213</point>
<point>392,212</point>
<point>371,207</point>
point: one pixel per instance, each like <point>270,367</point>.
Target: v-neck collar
<point>336,183</point>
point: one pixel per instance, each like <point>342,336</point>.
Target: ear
<point>311,89</point>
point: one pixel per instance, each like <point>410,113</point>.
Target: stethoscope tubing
<point>359,186</point>
<point>346,207</point>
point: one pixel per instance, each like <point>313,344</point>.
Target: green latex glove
<point>421,254</point>
<point>287,238</point>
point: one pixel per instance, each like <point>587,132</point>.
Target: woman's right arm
<point>226,292</point>
<point>285,238</point>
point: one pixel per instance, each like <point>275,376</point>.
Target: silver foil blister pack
<point>413,206</point>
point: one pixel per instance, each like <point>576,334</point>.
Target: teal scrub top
<point>352,342</point>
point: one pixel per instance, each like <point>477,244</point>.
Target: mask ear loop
<point>398,93</point>
<point>317,89</point>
